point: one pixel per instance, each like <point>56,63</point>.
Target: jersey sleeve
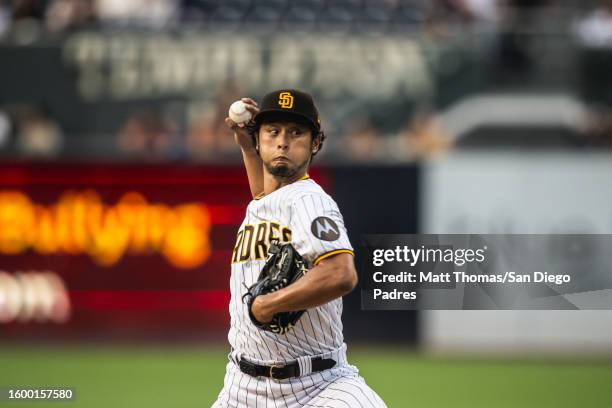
<point>317,228</point>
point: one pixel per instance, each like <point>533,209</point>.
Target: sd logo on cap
<point>285,100</point>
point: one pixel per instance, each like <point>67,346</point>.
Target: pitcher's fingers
<point>253,109</point>
<point>230,123</point>
<point>249,100</point>
<point>250,105</point>
<point>233,125</point>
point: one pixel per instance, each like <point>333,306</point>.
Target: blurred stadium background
<point>121,189</point>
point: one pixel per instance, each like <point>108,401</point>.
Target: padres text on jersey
<point>303,214</point>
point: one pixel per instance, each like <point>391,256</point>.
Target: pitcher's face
<point>285,147</point>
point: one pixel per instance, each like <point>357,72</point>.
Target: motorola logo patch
<point>325,229</point>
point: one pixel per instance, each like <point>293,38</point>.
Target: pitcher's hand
<point>242,136</point>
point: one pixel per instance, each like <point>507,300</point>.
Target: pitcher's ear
<point>316,142</point>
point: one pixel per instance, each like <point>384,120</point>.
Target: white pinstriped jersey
<point>303,214</point>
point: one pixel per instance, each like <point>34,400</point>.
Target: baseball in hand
<point>239,113</point>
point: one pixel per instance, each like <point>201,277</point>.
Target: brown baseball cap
<point>289,104</point>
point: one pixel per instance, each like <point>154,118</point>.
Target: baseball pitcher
<point>291,265</point>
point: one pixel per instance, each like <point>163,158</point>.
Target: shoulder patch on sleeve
<point>325,229</point>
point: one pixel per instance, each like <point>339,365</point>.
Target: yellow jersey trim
<point>332,253</point>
